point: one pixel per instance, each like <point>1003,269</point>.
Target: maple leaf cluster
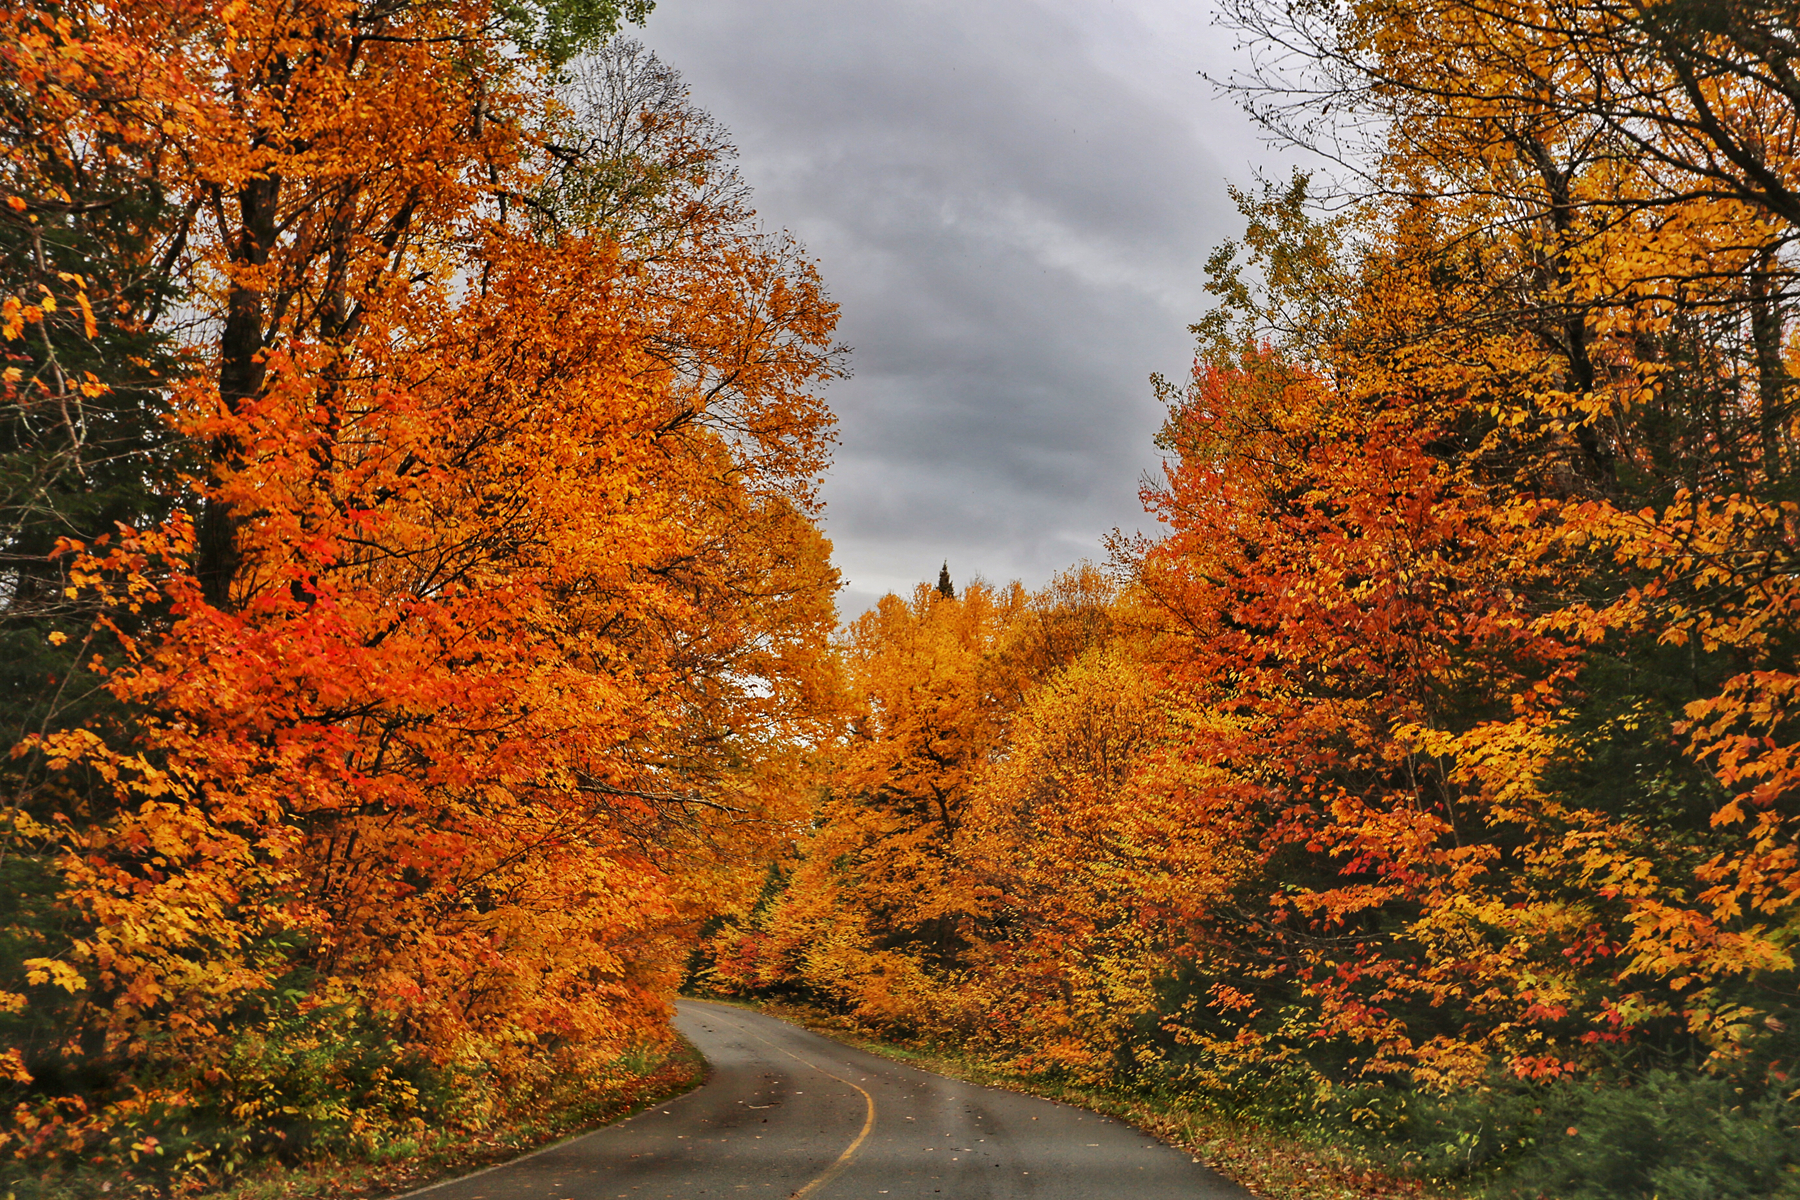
<point>412,587</point>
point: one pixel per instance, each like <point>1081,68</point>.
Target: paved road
<point>789,1114</point>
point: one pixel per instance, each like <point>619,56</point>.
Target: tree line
<point>1431,777</point>
<point>420,654</point>
<point>411,588</point>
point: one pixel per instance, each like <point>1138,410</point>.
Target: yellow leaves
<point>16,314</point>
<point>524,640</point>
<point>40,971</point>
<point>12,1064</point>
<point>1081,841</point>
<point>89,326</point>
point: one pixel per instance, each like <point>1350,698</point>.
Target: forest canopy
<point>411,587</point>
<point>1432,776</point>
<point>421,661</point>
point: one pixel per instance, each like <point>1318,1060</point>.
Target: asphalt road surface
<point>787,1113</point>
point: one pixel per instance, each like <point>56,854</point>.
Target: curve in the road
<point>787,1114</point>
<point>862,1135</point>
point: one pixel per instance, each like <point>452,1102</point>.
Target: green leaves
<point>558,30</point>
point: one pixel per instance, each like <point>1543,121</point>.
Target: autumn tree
<point>1532,434</point>
<point>876,912</point>
<point>1625,176</point>
<point>492,602</point>
<point>1001,792</point>
<point>86,445</point>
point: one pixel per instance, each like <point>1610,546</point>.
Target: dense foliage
<point>416,629</point>
<point>1433,777</point>
<point>410,587</point>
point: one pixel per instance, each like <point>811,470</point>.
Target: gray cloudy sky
<point>1011,201</point>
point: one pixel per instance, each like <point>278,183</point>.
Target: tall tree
<point>434,704</point>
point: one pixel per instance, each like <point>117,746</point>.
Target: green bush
<point>1671,1136</point>
<point>295,1083</point>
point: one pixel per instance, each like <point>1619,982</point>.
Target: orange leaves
<point>1339,590</point>
<point>1483,602</point>
<point>1450,729</point>
<point>1009,852</point>
<point>468,684</point>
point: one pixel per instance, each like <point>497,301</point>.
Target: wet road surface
<point>787,1113</point>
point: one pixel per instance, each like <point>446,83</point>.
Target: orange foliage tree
<point>1484,552</point>
<point>876,912</point>
<point>1445,743</point>
<point>1005,853</point>
<point>493,599</point>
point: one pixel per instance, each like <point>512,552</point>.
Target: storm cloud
<point>1011,200</point>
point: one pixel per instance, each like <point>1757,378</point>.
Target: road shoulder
<point>449,1158</point>
<point>1264,1162</point>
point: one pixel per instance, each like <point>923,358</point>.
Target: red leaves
<point>466,694</point>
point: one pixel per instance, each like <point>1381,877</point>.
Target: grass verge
<point>431,1157</point>
<point>1270,1164</point>
<point>454,1155</point>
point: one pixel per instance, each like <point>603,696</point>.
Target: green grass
<point>406,1164</point>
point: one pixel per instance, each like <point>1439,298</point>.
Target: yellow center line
<point>843,1160</point>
